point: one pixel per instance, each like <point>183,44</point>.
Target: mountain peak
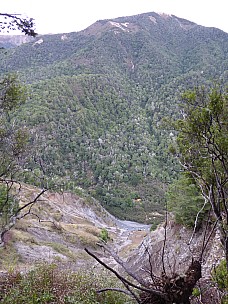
<point>111,24</point>
<point>137,22</point>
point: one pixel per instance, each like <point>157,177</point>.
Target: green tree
<point>12,140</point>
<point>8,206</point>
<point>13,143</point>
<point>184,199</point>
<point>202,149</point>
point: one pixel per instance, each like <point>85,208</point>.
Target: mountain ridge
<point>16,40</point>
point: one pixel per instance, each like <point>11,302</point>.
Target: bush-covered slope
<point>98,98</point>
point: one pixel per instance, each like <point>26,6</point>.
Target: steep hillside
<point>97,99</point>
<point>58,228</point>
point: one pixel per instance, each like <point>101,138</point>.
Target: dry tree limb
<point>125,281</point>
<point>123,265</point>
<point>13,218</point>
<point>153,277</point>
<point>165,237</point>
<point>165,290</point>
<point>32,202</point>
<point>205,242</point>
<point>115,289</point>
<point>196,220</point>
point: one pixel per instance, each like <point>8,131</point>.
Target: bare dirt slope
<point>60,226</point>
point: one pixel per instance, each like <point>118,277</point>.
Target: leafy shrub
<point>104,235</point>
<point>8,205</point>
<point>50,284</point>
<point>196,292</point>
<point>155,223</point>
<point>185,201</point>
<point>220,276</point>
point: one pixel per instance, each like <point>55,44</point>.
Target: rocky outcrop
<point>11,41</point>
<point>178,250</point>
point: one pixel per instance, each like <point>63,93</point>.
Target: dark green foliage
<point>220,276</point>
<point>104,235</point>
<point>202,148</point>
<point>13,138</point>
<point>97,144</point>
<point>185,200</point>
<point>8,205</point>
<point>12,94</point>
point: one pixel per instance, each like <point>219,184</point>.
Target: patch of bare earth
<point>58,229</point>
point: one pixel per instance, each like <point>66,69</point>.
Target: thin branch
<point>151,291</point>
<point>115,289</point>
<point>14,16</point>
<point>123,265</point>
<point>196,220</point>
<point>208,239</point>
<point>165,237</point>
<point>205,231</point>
<point>151,266</point>
<point>32,202</point>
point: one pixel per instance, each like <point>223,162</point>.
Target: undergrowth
<point>50,284</point>
<point>220,276</point>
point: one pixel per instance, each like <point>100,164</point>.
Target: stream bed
<point>132,226</point>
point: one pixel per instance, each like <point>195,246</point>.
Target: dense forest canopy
<point>97,100</point>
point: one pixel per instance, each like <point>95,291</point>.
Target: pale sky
<point>62,16</point>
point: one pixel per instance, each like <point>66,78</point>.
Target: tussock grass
<point>9,258</point>
<point>62,249</point>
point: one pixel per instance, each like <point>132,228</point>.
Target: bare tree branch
<point>122,279</point>
<point>123,265</point>
<point>32,202</point>
<point>196,220</point>
<point>165,237</point>
<point>115,289</point>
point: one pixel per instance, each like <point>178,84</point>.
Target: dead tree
<point>153,289</point>
<point>150,288</point>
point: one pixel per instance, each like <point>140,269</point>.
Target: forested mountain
<point>98,97</point>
